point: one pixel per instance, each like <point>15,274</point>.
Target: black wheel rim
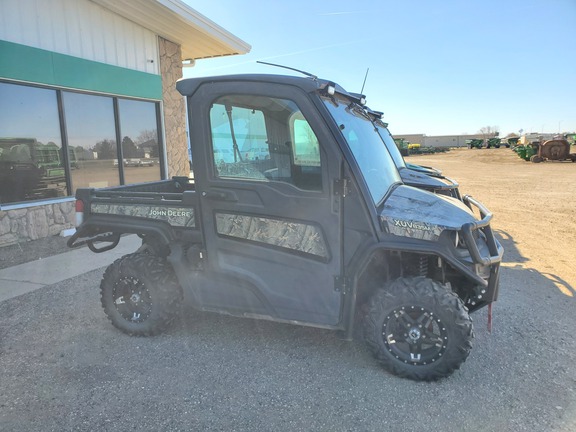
<point>132,299</point>
<point>414,335</point>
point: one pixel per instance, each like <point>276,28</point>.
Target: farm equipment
<point>474,143</point>
<point>325,235</point>
<point>554,149</point>
<point>493,142</point>
<point>403,146</point>
<point>418,149</point>
<point>407,148</point>
<point>526,151</point>
<point>31,170</point>
<point>512,142</point>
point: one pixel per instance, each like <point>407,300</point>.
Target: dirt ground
<point>534,206</point>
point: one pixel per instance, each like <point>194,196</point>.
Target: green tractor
<point>493,142</point>
<point>402,145</point>
<point>556,149</point>
<point>512,142</point>
<point>526,151</point>
<point>474,143</point>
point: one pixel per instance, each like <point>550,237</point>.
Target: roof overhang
<point>198,36</point>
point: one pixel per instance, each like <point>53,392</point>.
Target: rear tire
<point>418,329</point>
<point>140,294</point>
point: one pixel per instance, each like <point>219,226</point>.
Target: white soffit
<point>198,36</point>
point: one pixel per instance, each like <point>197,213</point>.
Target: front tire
<point>140,294</point>
<point>418,329</point>
<point>536,159</point>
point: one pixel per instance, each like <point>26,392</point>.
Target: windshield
<point>390,144</point>
<point>374,160</point>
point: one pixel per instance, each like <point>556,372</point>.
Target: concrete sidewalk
<point>30,276</point>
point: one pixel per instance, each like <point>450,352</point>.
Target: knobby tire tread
<point>161,282</point>
<point>428,293</point>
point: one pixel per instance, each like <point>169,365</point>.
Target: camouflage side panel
<point>175,216</point>
<point>290,235</point>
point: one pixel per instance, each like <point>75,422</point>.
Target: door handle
<point>220,196</point>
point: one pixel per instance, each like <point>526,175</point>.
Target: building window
<point>31,160</point>
<point>91,133</point>
<point>53,142</point>
<point>140,146</point>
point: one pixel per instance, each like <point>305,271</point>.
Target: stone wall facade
<point>174,109</point>
<point>32,223</point>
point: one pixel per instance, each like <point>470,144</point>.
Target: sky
<point>443,67</point>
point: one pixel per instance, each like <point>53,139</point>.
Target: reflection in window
<point>140,144</point>
<point>371,154</point>
<point>249,133</point>
<point>31,162</point>
<point>306,146</point>
<point>91,139</point>
<point>264,139</point>
<point>32,159</point>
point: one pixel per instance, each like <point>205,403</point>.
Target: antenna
<point>287,67</point>
<point>364,83</point>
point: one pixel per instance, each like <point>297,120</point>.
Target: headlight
<point>483,271</point>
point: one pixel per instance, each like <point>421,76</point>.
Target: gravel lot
<point>65,368</point>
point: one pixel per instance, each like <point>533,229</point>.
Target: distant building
<point>412,138</point>
<point>83,83</point>
<point>534,137</point>
<point>441,140</point>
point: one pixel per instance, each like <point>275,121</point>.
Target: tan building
<point>412,138</point>
<point>440,140</point>
<point>88,99</point>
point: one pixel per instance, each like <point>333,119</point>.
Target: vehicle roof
<point>187,86</point>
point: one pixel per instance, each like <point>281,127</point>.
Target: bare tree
<point>147,135</point>
<point>489,131</point>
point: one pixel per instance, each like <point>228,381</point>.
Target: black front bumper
<point>492,257</point>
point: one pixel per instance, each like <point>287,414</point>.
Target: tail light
<point>79,212</point>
